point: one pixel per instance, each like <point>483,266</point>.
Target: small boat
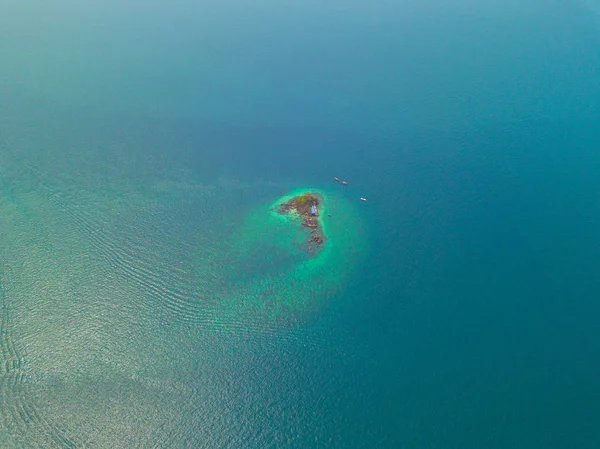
<point>313,211</point>
<point>344,183</point>
<point>363,199</point>
<point>336,179</point>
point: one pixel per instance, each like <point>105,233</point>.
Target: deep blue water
<point>470,320</point>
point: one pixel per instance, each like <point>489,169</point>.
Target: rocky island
<point>306,206</point>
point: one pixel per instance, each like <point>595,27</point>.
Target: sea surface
<point>150,297</point>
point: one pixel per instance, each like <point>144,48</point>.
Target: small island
<point>306,206</point>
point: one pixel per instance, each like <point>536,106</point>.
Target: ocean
<point>151,296</point>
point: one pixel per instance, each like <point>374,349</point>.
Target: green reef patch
<point>291,259</point>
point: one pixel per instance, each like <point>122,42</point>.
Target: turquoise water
<point>150,297</point>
